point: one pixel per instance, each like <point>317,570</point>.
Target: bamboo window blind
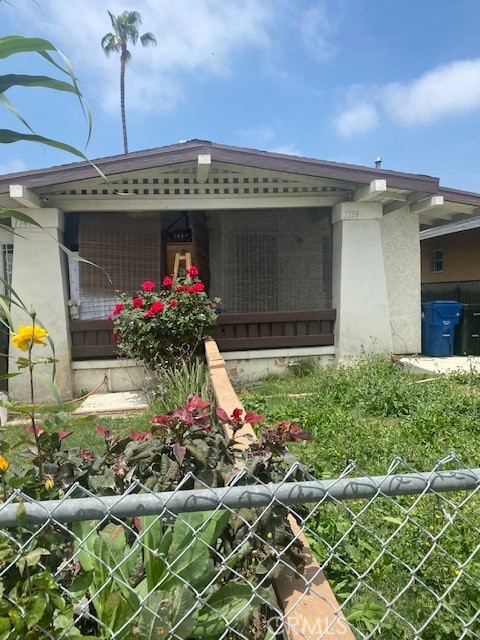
<point>127,250</point>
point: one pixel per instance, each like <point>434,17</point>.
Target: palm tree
<point>125,30</point>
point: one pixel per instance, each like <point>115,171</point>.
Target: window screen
<point>126,247</point>
<point>7,261</point>
<point>274,260</point>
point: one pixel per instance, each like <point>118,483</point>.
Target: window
<point>7,259</point>
<point>437,260</point>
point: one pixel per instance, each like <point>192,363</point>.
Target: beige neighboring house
<point>311,258</point>
<point>451,261</point>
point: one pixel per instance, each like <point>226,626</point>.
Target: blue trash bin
<point>439,319</point>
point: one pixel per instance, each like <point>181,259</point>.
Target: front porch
<point>93,339</point>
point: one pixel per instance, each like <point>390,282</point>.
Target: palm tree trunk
<point>122,103</point>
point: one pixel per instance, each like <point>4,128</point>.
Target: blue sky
<point>342,80</point>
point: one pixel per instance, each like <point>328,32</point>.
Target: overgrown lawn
<point>392,562</point>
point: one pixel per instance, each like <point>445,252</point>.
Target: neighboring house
<point>451,261</point>
<point>311,258</point>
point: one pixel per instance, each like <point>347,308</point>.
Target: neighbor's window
<point>437,260</point>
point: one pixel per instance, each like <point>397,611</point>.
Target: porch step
<point>111,403</point>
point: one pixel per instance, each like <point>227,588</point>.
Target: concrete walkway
<point>111,403</point>
<point>428,364</point>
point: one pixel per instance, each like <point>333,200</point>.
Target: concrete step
<point>112,403</point>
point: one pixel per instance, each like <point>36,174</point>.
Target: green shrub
<point>166,326</point>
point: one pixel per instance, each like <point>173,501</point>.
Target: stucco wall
<point>401,250</point>
<point>359,283</point>
<point>461,257</point>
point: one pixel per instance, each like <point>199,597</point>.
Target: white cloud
<point>359,118</point>
<point>448,90</point>
<point>287,149</point>
<point>195,39</point>
<point>451,89</point>
<point>12,166</point>
<point>266,138</point>
<point>317,29</point>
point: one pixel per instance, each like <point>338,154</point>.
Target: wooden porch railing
<point>276,330</point>
<point>92,339</point>
<point>235,332</point>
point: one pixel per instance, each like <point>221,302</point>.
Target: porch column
<point>359,283</point>
<point>39,277</point>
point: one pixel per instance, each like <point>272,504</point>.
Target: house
<point>311,258</point>
<point>450,256</point>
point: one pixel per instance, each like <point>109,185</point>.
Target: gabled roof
<point>190,150</point>
<point>453,227</point>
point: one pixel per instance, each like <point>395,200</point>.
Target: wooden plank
<point>93,351</point>
<point>277,328</point>
<point>104,337</point>
<point>275,316</point>
<point>289,328</point>
<point>264,329</point>
<point>90,338</point>
<point>274,342</point>
<point>77,338</point>
<point>242,331</point>
<point>90,325</point>
<point>302,328</point>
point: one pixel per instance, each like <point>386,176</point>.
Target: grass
<point>390,560</point>
<point>374,412</point>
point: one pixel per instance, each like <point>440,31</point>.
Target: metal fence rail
<point>401,553</point>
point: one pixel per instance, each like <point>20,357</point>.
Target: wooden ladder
<point>185,258</point>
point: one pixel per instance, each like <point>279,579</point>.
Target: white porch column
<point>359,283</point>
<point>39,277</point>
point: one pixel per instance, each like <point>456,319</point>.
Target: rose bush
<point>164,325</point>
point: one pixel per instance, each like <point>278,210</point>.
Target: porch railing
<point>235,332</point>
<point>243,331</point>
<point>92,339</point>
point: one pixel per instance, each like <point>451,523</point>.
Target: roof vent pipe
<point>378,162</point>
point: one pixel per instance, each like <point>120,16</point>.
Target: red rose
<point>198,287</point>
<point>173,304</point>
<point>192,272</point>
<point>118,308</point>
<point>148,285</point>
<point>149,314</point>
<point>182,288</point>
<point>110,318</point>
<point>115,337</point>
<point>167,282</point>
<point>156,307</point>
<point>191,290</point>
<point>137,303</point>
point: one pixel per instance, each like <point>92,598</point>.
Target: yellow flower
<point>3,464</point>
<point>48,484</point>
<point>27,335</point>
<point>457,572</point>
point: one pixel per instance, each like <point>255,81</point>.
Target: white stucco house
<point>311,258</point>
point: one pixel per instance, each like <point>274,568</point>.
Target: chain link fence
<point>249,561</point>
